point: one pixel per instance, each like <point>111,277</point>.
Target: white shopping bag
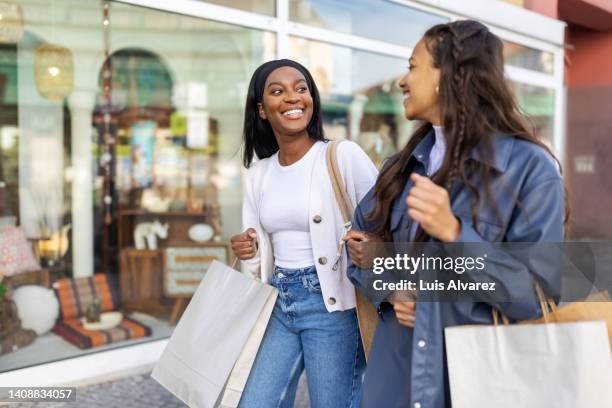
<point>216,339</point>
<point>563,365</point>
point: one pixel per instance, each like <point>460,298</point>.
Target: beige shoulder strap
<point>344,202</point>
<point>367,317</point>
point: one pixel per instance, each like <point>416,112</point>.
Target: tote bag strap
<point>342,197</point>
<point>367,317</point>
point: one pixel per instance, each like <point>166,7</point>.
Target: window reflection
<point>266,7</point>
<point>100,193</point>
<point>539,104</point>
<point>394,23</point>
<point>529,58</point>
<point>360,97</point>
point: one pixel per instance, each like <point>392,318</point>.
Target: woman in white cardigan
<point>292,225</point>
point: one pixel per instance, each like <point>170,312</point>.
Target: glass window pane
<point>394,23</point>
<point>539,104</point>
<point>266,7</point>
<point>85,179</point>
<point>530,58</point>
<point>360,97</point>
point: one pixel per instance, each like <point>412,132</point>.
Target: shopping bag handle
<point>257,275</point>
<point>547,304</point>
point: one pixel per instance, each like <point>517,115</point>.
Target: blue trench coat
<point>407,366</point>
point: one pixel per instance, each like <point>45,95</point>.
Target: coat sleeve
<point>537,224</point>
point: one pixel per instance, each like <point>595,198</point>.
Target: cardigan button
<point>322,260</point>
<point>317,219</point>
<point>331,301</point>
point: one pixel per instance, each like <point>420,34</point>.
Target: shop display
<point>55,247</point>
<point>152,201</point>
<point>184,268</point>
<point>141,281</point>
<point>106,321</point>
<point>93,312</point>
<point>146,234</point>
<point>75,296</point>
<point>201,232</point>
<point>12,335</point>
<point>16,254</point>
<point>37,306</point>
<point>142,147</point>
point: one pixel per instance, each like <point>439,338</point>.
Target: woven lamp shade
<point>53,71</point>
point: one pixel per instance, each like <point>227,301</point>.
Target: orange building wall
<point>588,77</point>
<point>590,62</point>
<point>549,8</point>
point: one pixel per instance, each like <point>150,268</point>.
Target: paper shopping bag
<point>211,335</point>
<point>597,306</point>
<point>242,368</point>
<point>561,365</point>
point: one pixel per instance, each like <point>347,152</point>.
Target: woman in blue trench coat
<point>472,172</point>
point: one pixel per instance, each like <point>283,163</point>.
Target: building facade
<point>122,120</point>
<point>588,78</point>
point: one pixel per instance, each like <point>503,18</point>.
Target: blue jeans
<point>302,334</point>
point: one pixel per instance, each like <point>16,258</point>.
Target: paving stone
<point>139,391</point>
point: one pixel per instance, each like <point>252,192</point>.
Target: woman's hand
<point>405,313</point>
<point>245,245</point>
<point>355,241</point>
<point>405,310</point>
<point>429,205</point>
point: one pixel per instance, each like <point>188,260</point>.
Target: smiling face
<point>419,87</point>
<point>287,102</point>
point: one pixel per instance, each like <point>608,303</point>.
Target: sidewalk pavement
<point>139,391</point>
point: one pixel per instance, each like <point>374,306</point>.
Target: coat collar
<point>502,148</point>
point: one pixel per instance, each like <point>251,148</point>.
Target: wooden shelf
<point>160,214</point>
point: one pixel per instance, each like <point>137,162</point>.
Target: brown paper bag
<point>597,306</point>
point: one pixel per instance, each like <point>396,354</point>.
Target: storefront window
<point>114,199</point>
<point>394,23</point>
<point>539,104</point>
<point>529,58</point>
<point>360,97</point>
<point>120,133</point>
<point>266,7</point>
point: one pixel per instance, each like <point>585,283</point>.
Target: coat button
<point>322,260</point>
<point>317,219</point>
<point>331,301</point>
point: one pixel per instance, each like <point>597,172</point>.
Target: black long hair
<point>258,137</point>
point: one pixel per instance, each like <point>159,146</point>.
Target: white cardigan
<point>359,174</point>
